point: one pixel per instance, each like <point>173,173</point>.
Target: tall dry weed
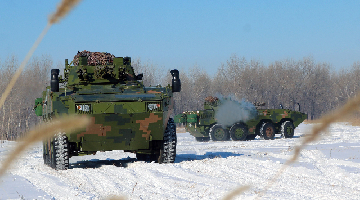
<point>236,192</point>
<point>62,10</point>
<point>49,129</point>
<point>116,198</point>
<point>22,66</point>
<point>322,125</point>
<point>64,124</point>
<point>74,122</point>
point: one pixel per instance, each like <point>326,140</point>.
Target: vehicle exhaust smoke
<point>231,111</point>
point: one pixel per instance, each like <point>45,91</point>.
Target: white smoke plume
<point>231,111</point>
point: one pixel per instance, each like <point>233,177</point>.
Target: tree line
<point>315,86</point>
<point>17,115</point>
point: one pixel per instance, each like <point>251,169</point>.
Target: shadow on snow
<point>96,163</point>
<point>209,155</point>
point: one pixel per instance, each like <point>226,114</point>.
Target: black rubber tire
<point>267,131</point>
<point>218,133</point>
<point>167,152</point>
<point>202,139</point>
<point>60,152</point>
<point>239,132</point>
<point>287,129</point>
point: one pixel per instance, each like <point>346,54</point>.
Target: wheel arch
<point>258,126</point>
<point>241,122</point>
<point>278,125</point>
<point>286,119</point>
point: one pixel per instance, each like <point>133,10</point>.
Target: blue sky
<point>183,33</point>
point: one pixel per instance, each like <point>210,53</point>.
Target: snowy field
<point>327,169</point>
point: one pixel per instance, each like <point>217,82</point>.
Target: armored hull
<point>124,114</point>
<point>204,125</point>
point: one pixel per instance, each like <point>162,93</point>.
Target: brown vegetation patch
<point>94,58</point>
<point>211,99</point>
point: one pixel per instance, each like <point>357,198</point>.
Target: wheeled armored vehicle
<point>204,125</point>
<point>124,114</point>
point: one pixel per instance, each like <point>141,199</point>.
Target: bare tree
<point>17,114</point>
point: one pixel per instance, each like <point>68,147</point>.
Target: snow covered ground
<point>327,169</point>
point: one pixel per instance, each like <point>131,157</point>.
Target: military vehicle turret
<point>205,124</point>
<point>124,114</point>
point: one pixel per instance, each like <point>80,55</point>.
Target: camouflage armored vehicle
<point>207,123</point>
<point>124,114</point>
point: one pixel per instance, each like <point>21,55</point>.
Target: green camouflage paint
<point>199,123</point>
<point>124,114</point>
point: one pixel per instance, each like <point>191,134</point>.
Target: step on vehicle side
<point>124,114</point>
<point>265,123</point>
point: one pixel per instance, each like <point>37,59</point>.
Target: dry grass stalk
<point>22,66</point>
<point>236,192</point>
<point>353,120</point>
<point>62,10</point>
<point>340,114</point>
<point>70,123</point>
<point>116,198</point>
<point>64,7</point>
<point>64,124</point>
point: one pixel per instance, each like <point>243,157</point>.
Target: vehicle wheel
<point>218,133</point>
<point>60,152</point>
<point>202,139</point>
<point>250,137</point>
<point>267,131</point>
<point>168,149</point>
<point>287,129</point>
<point>238,132</point>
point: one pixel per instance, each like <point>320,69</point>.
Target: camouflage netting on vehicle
<point>259,104</point>
<point>211,99</point>
<point>94,58</point>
